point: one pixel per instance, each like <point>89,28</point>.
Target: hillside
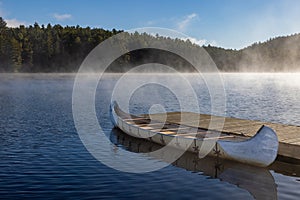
<point>274,55</point>
<point>62,49</point>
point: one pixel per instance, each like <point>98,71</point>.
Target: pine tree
<point>16,54</point>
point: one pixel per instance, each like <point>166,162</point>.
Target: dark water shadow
<point>259,182</point>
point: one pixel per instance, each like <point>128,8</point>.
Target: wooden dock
<point>288,135</point>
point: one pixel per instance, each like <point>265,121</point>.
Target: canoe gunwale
<point>229,149</point>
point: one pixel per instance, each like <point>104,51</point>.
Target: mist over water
<point>270,97</point>
<point>41,153</point>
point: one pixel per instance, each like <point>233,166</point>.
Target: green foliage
<point>2,24</point>
<point>62,49</point>
<point>275,55</point>
<point>47,49</point>
<point>16,51</point>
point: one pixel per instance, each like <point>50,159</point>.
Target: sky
<point>225,23</point>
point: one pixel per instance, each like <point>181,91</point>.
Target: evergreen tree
<point>62,49</point>
<point>16,54</point>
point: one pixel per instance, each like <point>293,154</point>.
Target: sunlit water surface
<point>41,154</point>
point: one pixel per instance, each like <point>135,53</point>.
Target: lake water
<point>42,156</point>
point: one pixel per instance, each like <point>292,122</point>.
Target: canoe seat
<point>168,132</point>
<point>135,119</point>
<point>202,135</point>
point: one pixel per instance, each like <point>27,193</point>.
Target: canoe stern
<point>259,150</point>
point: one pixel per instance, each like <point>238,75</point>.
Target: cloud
<point>199,42</point>
<point>14,23</point>
<point>150,23</point>
<point>278,19</point>
<point>182,25</point>
<point>212,43</point>
<point>10,22</point>
<point>62,17</point>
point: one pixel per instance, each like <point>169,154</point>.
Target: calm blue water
<point>41,155</point>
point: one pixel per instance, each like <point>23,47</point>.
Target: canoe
<point>260,150</point>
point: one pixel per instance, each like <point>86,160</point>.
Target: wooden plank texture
<point>288,135</point>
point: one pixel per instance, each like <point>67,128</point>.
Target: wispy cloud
<point>62,17</point>
<point>199,42</point>
<point>14,23</point>
<point>150,23</point>
<point>182,25</point>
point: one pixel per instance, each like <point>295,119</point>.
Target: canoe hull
<point>260,150</point>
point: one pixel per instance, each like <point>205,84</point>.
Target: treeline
<point>47,49</point>
<point>279,54</point>
<point>62,49</point>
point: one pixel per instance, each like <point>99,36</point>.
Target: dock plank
<point>288,135</point>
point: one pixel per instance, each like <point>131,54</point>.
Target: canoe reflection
<point>259,182</point>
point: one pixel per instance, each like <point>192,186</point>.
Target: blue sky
<point>226,23</point>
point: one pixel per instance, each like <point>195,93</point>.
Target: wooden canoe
<point>260,150</point>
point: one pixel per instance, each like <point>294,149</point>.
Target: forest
<point>54,48</point>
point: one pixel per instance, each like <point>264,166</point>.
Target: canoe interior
<point>176,129</point>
